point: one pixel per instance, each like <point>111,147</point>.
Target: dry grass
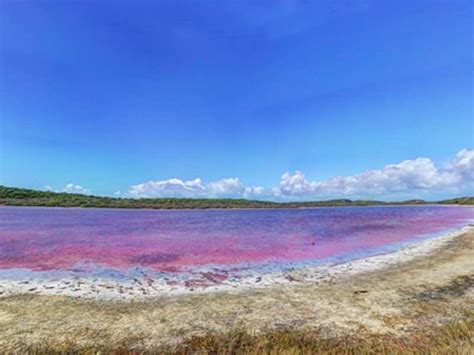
<point>453,338</point>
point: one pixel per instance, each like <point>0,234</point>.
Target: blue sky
<point>258,99</point>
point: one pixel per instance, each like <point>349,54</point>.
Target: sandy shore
<point>425,284</point>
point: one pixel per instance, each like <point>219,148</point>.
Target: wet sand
<point>427,284</point>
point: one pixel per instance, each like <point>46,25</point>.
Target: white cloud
<point>251,192</point>
<point>463,164</point>
<point>296,185</point>
<point>229,187</point>
<point>168,188</point>
<point>417,174</point>
<point>225,187</point>
<point>74,189</point>
<point>420,175</point>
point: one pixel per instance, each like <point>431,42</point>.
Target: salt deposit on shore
<point>138,284</point>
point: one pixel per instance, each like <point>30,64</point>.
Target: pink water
<point>41,239</point>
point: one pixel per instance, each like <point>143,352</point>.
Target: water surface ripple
<point>74,239</point>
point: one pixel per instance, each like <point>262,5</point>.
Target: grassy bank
<point>454,338</point>
<point>24,197</point>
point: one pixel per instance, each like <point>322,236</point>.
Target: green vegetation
<point>459,201</point>
<point>24,197</point>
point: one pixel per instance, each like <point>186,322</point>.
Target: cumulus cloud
<point>463,164</point>
<point>74,189</point>
<point>229,187</point>
<point>168,188</point>
<point>408,176</point>
<point>256,192</point>
<point>296,185</point>
<point>225,187</point>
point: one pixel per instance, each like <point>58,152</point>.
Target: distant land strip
<point>12,196</point>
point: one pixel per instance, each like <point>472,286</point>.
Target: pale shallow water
<point>123,243</point>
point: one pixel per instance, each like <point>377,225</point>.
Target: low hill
<point>13,196</point>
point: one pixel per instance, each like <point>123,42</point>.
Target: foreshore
<point>139,284</point>
<point>422,286</point>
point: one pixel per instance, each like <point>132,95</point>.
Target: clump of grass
<point>454,338</point>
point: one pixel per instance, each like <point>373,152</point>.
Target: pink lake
<point>42,239</point>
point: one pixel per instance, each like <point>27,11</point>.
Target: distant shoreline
<point>11,196</point>
<point>197,209</point>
